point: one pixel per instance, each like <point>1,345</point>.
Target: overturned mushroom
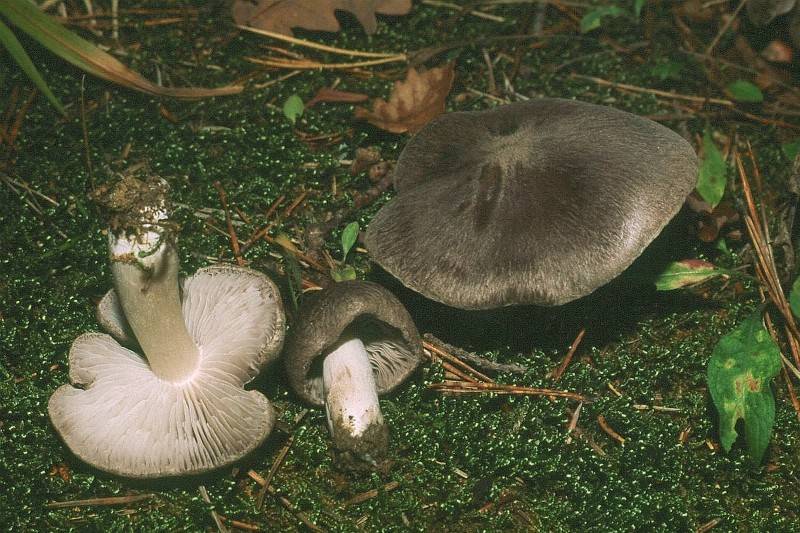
<point>180,409</point>
<point>355,341</point>
<point>539,202</point>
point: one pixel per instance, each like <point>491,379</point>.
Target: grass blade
<point>17,52</point>
<point>88,57</point>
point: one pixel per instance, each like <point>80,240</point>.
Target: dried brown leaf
<point>281,16</point>
<point>414,101</point>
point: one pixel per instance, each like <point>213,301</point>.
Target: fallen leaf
<point>777,52</point>
<point>413,102</point>
<point>685,273</point>
<point>280,16</point>
<point>326,94</point>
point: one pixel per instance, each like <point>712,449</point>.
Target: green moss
<point>466,462</point>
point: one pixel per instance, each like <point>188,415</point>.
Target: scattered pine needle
<point>98,502</point>
<point>559,371</point>
<point>601,420</point>
<point>223,198</point>
<point>499,388</point>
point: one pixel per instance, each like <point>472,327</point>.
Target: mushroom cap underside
<point>538,202</point>
<point>384,326</point>
<point>119,417</point>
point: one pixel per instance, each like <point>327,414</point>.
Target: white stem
<point>148,290</point>
<point>351,401</point>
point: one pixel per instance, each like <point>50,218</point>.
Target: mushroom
<point>181,408</point>
<point>539,202</point>
<point>354,342</point>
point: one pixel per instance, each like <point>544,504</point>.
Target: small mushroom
<point>354,342</point>
<point>539,202</point>
<point>182,408</point>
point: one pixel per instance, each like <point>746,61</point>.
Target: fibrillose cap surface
<point>120,417</point>
<point>352,308</point>
<point>538,202</point>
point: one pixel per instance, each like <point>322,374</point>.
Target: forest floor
<point>643,455</point>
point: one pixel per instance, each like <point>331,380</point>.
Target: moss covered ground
<point>461,463</point>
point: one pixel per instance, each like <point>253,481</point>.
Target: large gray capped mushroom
<point>355,341</point>
<point>180,407</point>
<point>539,202</point>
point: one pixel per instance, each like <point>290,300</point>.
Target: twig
<point>306,64</point>
<point>368,495</point>
<point>708,526</point>
<point>473,12</point>
<point>601,420</point>
<point>237,524</point>
<point>316,46</point>
<point>655,92</point>
<point>573,422</point>
<point>277,463</point>
<point>295,204</point>
<point>474,359</point>
<point>90,502</point>
<point>457,362</point>
<point>498,388</point>
<point>285,502</point>
<point>559,371</point>
<point>204,494</point>
<point>223,198</point>
<point>85,130</point>
<point>725,27</point>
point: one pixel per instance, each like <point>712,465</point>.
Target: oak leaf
<point>414,101</point>
<point>280,16</point>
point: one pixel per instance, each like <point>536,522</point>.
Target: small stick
<point>725,27</point>
<point>285,502</point>
<point>475,359</point>
<point>85,131</point>
<point>499,388</point>
<point>240,525</point>
<point>708,526</point>
<point>220,526</point>
<point>368,495</point>
<point>656,92</point>
<point>316,46</point>
<point>601,420</point>
<point>276,464</point>
<point>456,361</point>
<point>559,371</point>
<point>315,65</point>
<point>573,422</point>
<point>111,500</point>
<point>295,204</point>
<point>15,128</point>
<point>223,198</point>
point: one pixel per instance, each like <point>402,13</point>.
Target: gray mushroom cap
<point>539,202</point>
<point>385,327</point>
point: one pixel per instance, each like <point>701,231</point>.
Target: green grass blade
<point>48,32</point>
<point>18,53</point>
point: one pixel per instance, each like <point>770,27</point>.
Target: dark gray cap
<point>539,202</point>
<point>349,309</point>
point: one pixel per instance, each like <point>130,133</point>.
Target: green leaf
<point>791,149</point>
<point>349,236</point>
<point>713,172</point>
<point>638,5</point>
<point>293,108</point>
<point>794,298</point>
<point>16,51</point>
<point>740,372</point>
<point>687,272</point>
<point>69,46</point>
<point>593,19</point>
<point>343,273</point>
<point>744,91</point>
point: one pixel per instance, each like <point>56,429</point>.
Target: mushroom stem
<point>351,402</point>
<point>145,272</point>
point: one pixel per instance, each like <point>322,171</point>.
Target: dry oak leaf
<point>280,16</point>
<point>414,101</point>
